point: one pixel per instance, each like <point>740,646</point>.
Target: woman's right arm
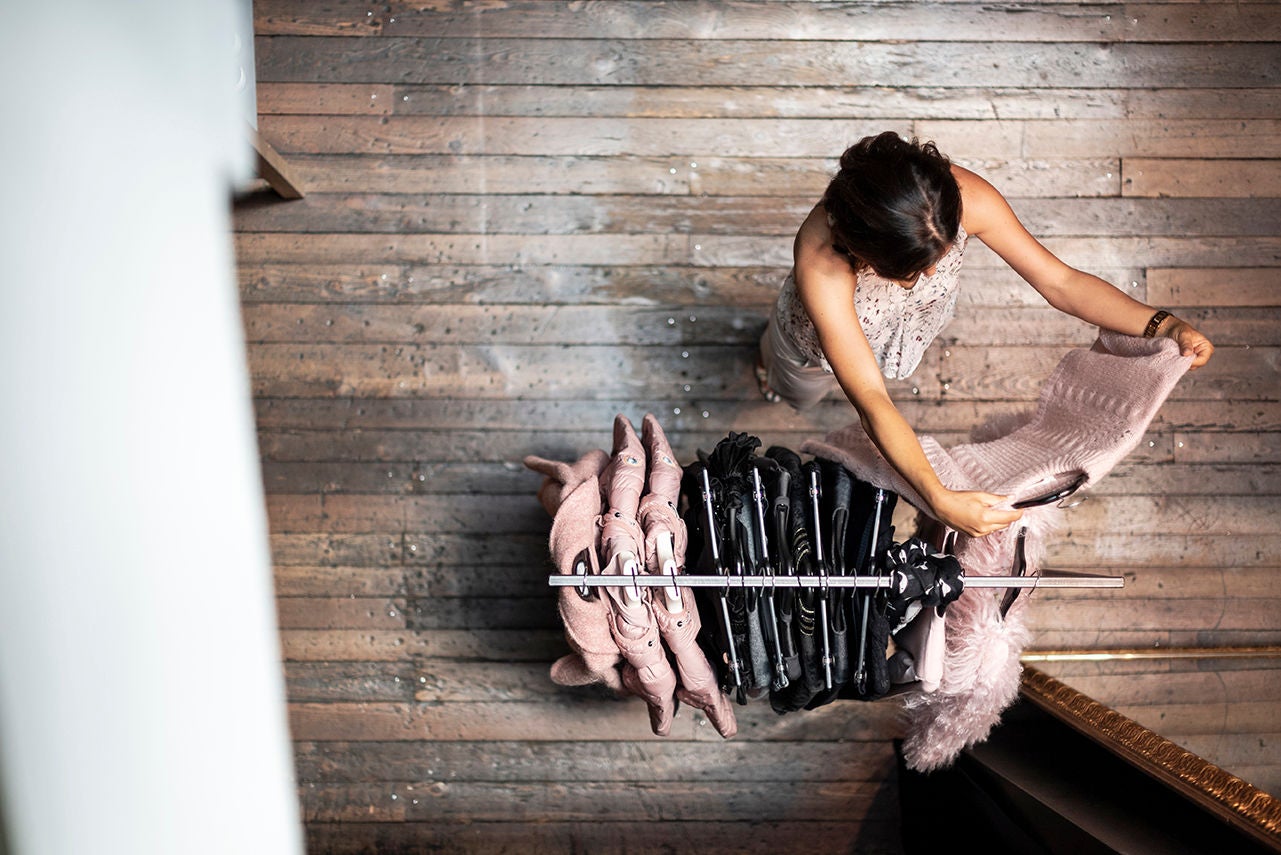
<point>826,284</point>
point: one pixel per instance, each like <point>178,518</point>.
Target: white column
<point>141,692</point>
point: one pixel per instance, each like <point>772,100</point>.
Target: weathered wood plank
<point>749,288</point>
<point>1115,611</point>
<point>688,373</point>
<point>1232,461</point>
<point>705,19</point>
<point>1204,177</point>
<point>353,580</point>
<point>483,478</point>
<point>1173,583</point>
<point>1231,448</point>
<point>980,141</point>
<point>1241,373</point>
<point>825,101</point>
<point>340,645</point>
<point>350,681</point>
<point>976,324</point>
<point>1226,638</point>
<point>400,174</point>
<point>431,680</point>
<point>491,610</point>
<point>595,720</point>
<point>407,178</point>
<point>342,99</point>
<point>649,760</point>
<point>1088,638</point>
<point>561,325</point>
<point>1171,550</point>
<point>1132,613</point>
<point>1219,286</point>
<point>342,613</point>
<point>477,443</point>
<point>665,62</point>
<point>564,137</point>
<point>502,371</point>
<point>876,835</point>
<point>380,323</point>
<point>434,581</point>
<point>509,449</point>
<point>588,423</point>
<point>452,513</point>
<point>562,214</point>
<point>672,285</point>
<point>668,802</point>
<point>517,251</point>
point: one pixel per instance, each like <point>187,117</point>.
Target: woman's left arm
<point>987,216</point>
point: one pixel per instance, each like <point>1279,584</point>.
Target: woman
<point>874,280</point>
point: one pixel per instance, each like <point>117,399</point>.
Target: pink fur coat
<point>1092,411</point>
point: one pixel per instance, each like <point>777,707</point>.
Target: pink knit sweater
<point>1092,411</point>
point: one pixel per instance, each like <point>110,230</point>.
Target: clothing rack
<point>583,580</point>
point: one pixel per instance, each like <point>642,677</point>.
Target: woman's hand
<point>1191,341</point>
<point>973,512</point>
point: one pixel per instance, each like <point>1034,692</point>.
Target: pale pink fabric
<point>611,505</point>
<point>622,484</point>
<point>698,684</point>
<point>571,494</point>
<point>657,512</point>
<point>1092,411</point>
<point>631,619</point>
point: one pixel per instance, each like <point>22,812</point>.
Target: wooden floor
<point>523,218</point>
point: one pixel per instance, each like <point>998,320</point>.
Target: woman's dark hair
<point>894,206</point>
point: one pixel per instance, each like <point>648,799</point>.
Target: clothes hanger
<point>767,567</point>
<point>870,566</point>
<point>1057,494</point>
<point>727,626</point>
<point>780,505</point>
<point>820,563</point>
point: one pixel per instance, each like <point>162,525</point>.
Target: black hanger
<point>815,490</point>
<point>1019,569</point>
<point>708,509</point>
<point>768,566</point>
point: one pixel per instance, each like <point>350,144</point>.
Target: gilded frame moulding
<point>1227,796</point>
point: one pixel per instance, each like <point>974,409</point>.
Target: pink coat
<point>658,515</point>
<point>571,494</point>
<point>631,614</point>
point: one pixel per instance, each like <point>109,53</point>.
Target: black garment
<point>705,556</point>
<point>920,578</point>
<point>778,478</point>
<point>836,503</point>
<point>870,534</point>
<point>811,643</point>
<point>736,643</point>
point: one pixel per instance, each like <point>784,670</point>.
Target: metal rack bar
<point>1073,580</point>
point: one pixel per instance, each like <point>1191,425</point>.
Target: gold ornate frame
<point>1225,795</point>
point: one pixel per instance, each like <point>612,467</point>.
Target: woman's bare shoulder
<point>815,259</point>
<point>979,199</point>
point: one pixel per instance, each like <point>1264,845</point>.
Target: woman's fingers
<point>1192,342</point>
<point>974,513</point>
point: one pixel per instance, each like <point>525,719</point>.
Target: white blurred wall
<point>141,694</point>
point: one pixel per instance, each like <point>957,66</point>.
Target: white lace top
<point>900,323</point>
